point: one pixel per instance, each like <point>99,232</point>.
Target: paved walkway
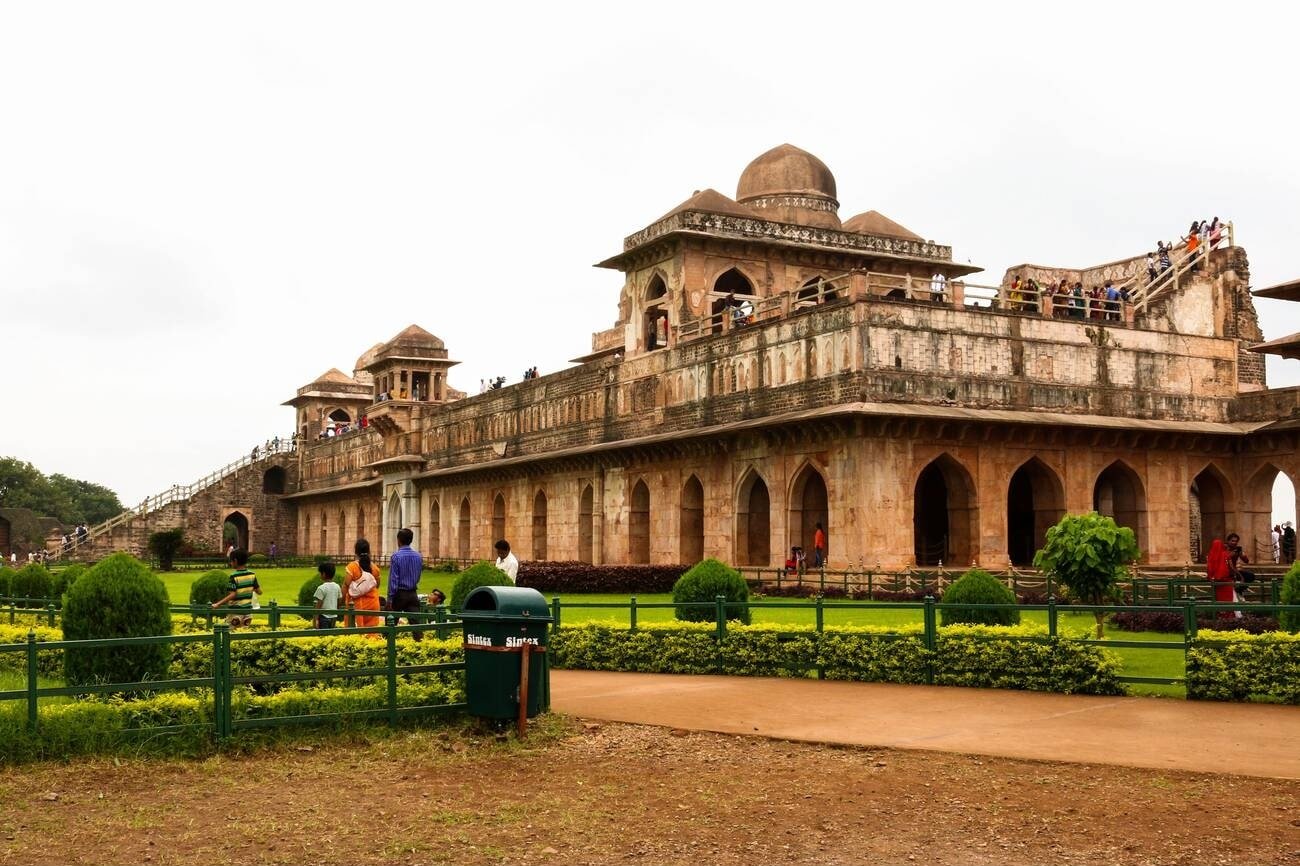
<point>1159,733</point>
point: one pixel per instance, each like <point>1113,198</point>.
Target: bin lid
<point>507,602</point>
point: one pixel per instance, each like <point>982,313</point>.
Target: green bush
<point>209,587</point>
<point>66,577</point>
<point>257,559</point>
<point>307,592</point>
<point>119,597</point>
<point>1237,666</point>
<point>165,545</point>
<point>32,581</point>
<point>965,655</point>
<point>978,587</point>
<point>479,574</point>
<point>1289,620</point>
<point>6,580</point>
<point>705,581</point>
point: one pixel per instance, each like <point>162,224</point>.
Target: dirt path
<point>599,793</point>
<point>1156,733</point>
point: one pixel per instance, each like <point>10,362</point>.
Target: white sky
<point>204,206</point>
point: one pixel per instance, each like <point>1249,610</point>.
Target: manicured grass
<point>281,584</point>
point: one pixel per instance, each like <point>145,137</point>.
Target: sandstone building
<point>773,367</point>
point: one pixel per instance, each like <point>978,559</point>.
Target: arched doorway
<point>690,529</point>
<point>234,530</point>
<point>273,480</point>
<point>638,524</point>
<point>539,525</point>
<point>1035,503</point>
<point>434,542</point>
<point>6,540</point>
<point>1118,494</point>
<point>731,282</point>
<point>341,535</point>
<point>498,518</point>
<point>585,524</point>
<point>753,521</point>
<point>656,314</point>
<point>394,519</point>
<point>808,509</point>
<point>361,525</point>
<point>1268,488</point>
<point>462,530</point>
<point>943,514</point>
<point>1209,497</point>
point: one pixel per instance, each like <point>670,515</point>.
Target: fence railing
<point>219,686</point>
<point>1190,610</point>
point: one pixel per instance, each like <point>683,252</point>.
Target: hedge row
<point>977,656</point>
<point>96,725</point>
<point>1237,666</point>
<point>560,577</point>
<point>1172,622</point>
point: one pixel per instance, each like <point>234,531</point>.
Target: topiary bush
<point>1289,620</point>
<point>257,559</point>
<point>978,587</point>
<point>209,586</point>
<point>119,597</point>
<point>703,583</point>
<point>478,574</point>
<point>65,578</point>
<point>307,592</point>
<point>32,581</point>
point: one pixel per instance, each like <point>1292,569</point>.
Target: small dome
<point>790,185</point>
<point>414,335</point>
<point>359,371</point>
<point>875,223</point>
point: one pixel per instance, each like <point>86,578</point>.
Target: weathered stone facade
<point>772,368</point>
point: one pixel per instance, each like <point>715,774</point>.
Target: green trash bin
<point>500,622</point>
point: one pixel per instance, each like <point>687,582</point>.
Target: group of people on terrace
<point>485,385</point>
<point>1068,300</point>
<point>343,428</point>
<point>1203,235</point>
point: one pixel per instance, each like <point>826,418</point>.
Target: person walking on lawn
<point>404,576</point>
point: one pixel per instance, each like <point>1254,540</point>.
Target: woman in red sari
<point>362,595</point>
<point>1218,570</point>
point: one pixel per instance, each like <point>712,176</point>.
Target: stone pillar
<point>598,516</point>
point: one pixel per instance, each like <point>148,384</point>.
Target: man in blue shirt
<point>404,568</point>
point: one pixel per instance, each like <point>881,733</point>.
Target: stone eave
<point>342,488</point>
<point>704,224</point>
<point>381,359</point>
<point>1288,291</point>
<point>360,396</point>
<point>871,409</point>
<point>395,461</point>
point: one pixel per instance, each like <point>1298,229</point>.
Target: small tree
<point>1289,620</point>
<point>33,582</point>
<point>119,597</point>
<point>479,574</point>
<point>164,546</point>
<point>1089,554</point>
<point>977,586</point>
<point>705,581</point>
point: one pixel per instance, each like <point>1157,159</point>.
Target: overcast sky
<point>204,206</point>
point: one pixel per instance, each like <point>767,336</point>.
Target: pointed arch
<point>809,509</point>
<point>498,518</point>
<point>1119,493</point>
<point>395,521</point>
<point>1257,518</point>
<point>324,533</point>
<point>235,525</point>
<point>434,541</point>
<point>638,523</point>
<point>361,523</point>
<point>586,524</point>
<point>734,281</point>
<point>273,480</point>
<point>690,528</point>
<point>657,287</point>
<point>341,534</point>
<point>462,530</point>
<point>539,526</point>
<point>753,539</point>
<point>1035,503</point>
<point>1210,500</point>
<point>945,514</point>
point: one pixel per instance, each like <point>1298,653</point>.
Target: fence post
<point>555,613</point>
<point>720,610</point>
<point>49,610</point>
<point>221,686</point>
<point>1275,591</point>
<point>275,615</point>
<point>1189,621</point>
<point>440,616</point>
<point>632,614</point>
<point>931,639</point>
<point>1051,616</point>
<point>390,633</point>
<point>821,616</point>
<point>31,681</point>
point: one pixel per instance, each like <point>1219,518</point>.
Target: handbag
<point>362,585</point>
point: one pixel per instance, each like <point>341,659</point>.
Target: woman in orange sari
<point>362,595</point>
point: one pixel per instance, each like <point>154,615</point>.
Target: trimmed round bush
<point>32,581</point>
<point>65,578</point>
<point>479,574</point>
<point>209,586</point>
<point>705,581</point>
<point>307,592</point>
<point>119,597</point>
<point>978,587</point>
<point>257,559</point>
<point>1288,620</point>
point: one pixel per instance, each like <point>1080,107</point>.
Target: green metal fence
<point>220,685</point>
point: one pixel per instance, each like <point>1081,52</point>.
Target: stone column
<point>598,516</point>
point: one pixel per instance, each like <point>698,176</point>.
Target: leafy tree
<point>119,597</point>
<point>1290,620</point>
<point>164,546</point>
<point>70,500</point>
<point>88,502</point>
<point>1089,554</point>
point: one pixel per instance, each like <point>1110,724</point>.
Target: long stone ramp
<point>1154,733</point>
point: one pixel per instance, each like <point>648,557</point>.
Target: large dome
<point>788,184</point>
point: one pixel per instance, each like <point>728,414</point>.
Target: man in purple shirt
<point>404,568</point>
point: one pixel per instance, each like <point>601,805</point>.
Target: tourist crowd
<point>1203,235</point>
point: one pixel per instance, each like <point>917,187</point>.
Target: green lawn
<point>281,585</point>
